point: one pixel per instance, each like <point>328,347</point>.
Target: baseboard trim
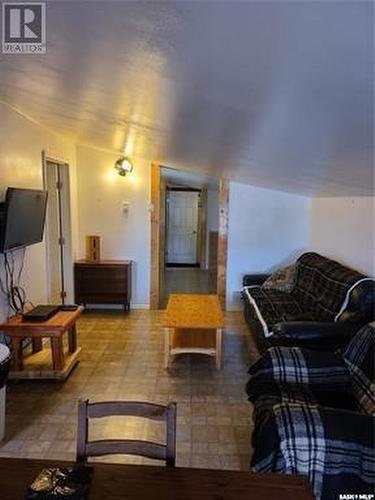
<point>179,264</point>
<point>115,307</point>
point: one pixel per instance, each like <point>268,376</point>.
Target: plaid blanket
<point>332,448</point>
<point>297,375</point>
<point>293,365</point>
<point>312,414</point>
<point>359,358</point>
<point>272,306</point>
<point>322,284</point>
<point>322,292</point>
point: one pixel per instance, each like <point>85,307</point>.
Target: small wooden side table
<point>37,365</point>
<point>193,324</point>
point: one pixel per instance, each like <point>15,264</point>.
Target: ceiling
<point>184,178</point>
<point>275,93</point>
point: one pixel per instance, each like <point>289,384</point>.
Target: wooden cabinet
<point>103,282</point>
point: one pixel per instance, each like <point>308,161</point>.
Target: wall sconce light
<point>123,166</point>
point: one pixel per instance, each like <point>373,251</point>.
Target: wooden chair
<point>147,449</point>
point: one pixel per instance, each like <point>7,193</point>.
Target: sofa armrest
<point>255,279</point>
<point>313,334</point>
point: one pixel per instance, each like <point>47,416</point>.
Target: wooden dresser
<point>103,282</point>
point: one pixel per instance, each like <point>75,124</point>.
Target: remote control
<point>69,307</point>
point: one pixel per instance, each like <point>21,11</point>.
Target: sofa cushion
<point>322,285</point>
<point>360,361</point>
<point>272,306</point>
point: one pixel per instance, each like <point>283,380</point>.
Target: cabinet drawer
<point>96,283</point>
<point>103,280</point>
<point>101,298</point>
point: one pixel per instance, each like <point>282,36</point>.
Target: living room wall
<point>21,145</point>
<point>344,229</point>
<point>267,229</point>
<point>124,234</point>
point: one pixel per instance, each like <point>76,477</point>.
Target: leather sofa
<point>328,304</point>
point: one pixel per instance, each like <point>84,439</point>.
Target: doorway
<point>58,232</point>
<point>187,221</point>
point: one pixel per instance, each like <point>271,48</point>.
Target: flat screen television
<point>23,216</point>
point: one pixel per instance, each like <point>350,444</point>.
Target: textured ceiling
<point>277,94</point>
<point>184,178</point>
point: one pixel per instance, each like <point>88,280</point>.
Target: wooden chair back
<point>86,448</point>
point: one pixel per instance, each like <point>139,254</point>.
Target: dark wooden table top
<point>115,482</point>
<point>103,262</point>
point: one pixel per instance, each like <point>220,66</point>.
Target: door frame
<point>158,224</point>
<point>202,229</point>
<point>66,262</point>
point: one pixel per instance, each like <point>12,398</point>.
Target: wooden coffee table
<point>37,365</point>
<point>193,324</point>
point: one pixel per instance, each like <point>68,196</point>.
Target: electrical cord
<point>15,294</point>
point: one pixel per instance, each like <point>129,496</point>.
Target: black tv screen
<point>24,214</point>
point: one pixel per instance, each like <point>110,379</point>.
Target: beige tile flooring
<point>122,358</point>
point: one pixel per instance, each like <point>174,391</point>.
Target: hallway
<point>187,280</point>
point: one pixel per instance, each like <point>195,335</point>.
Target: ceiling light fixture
<point>123,166</point>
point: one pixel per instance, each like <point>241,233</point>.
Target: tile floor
<point>122,358</point>
<point>186,280</point>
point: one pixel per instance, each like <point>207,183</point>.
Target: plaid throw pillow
<point>283,279</point>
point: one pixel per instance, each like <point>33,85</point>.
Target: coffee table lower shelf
<point>193,341</point>
<point>39,366</point>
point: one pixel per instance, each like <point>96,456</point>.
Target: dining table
<point>110,481</point>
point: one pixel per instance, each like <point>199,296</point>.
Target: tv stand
<point>103,282</point>
<point>37,365</point>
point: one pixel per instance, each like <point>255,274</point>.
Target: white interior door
<point>182,227</point>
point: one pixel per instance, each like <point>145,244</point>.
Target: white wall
<point>101,193</point>
<point>267,229</point>
<point>21,145</point>
<point>344,229</point>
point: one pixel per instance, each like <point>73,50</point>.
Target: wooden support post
<point>222,246</point>
<point>167,346</point>
<point>57,353</point>
<point>72,338</point>
<point>202,230</point>
<point>17,355</point>
<point>155,237</point>
<point>219,347</point>
<point>37,344</point>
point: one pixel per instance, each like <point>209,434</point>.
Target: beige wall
<point>344,229</point>
<point>21,145</point>
<point>101,194</point>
